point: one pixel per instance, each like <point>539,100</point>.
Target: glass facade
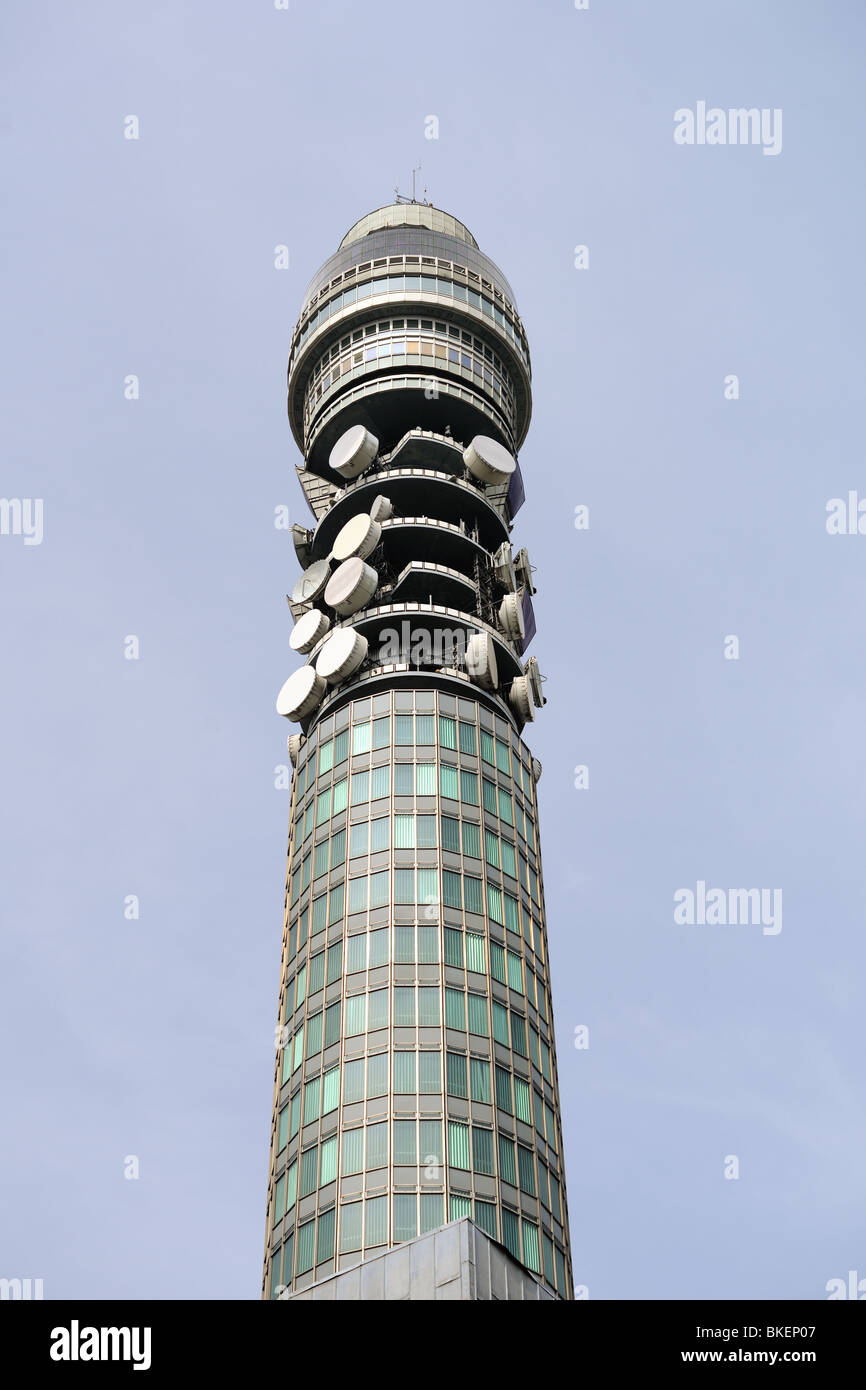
<point>417,1073</point>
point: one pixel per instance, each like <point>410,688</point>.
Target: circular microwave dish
<point>353,452</point>
<point>301,693</point>
<point>311,584</point>
<point>308,630</point>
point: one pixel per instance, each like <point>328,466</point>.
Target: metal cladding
<point>416,1079</point>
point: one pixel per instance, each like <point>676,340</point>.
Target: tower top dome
<point>409,215</point>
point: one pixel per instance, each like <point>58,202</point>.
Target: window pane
<point>328,1161</point>
<point>473,891</point>
<point>424,728</point>
<point>377,1075</point>
<point>356,1015</point>
<point>454,1009</point>
<point>456,1073</point>
<point>474,952</point>
<point>471,840</point>
<point>530,1246</point>
<point>350,1225</point>
<point>521,1101</point>
<point>515,972</point>
<point>404,1006</point>
<point>405,1142</point>
<point>325,1238</point>
<point>428,945</point>
<point>447,732</point>
<point>380,783</point>
<point>450,888</point>
<point>404,1073</point>
<point>467,738</point>
<point>428,886</point>
<point>430,1145</point>
<point>425,779</point>
<point>451,834</point>
<point>482,1150</point>
<point>377,1221</point>
<point>309,1166</point>
<point>330,1090</point>
<point>404,885</point>
<point>354,1082</point>
<point>379,948</point>
<point>404,832</point>
<point>380,830</point>
<point>382,732</point>
<point>404,779</point>
<point>361,738</point>
<point>453,947</point>
<point>479,1070</point>
<point>404,948</point>
<point>507,1170</point>
<point>377,1146</point>
<point>405,1220</point>
<point>526,1170</point>
<point>503,1089</point>
<point>432,1211</point>
<point>378,1012</point>
<point>458,1145</point>
<point>428,1006</point>
<point>425,831</point>
<point>403,729</point>
<point>478,1014</point>
<point>312,1092</point>
<point>379,889</point>
<point>304,1251</point>
<point>500,1023</point>
<point>469,787</point>
<point>429,1073</point>
<point>358,892</point>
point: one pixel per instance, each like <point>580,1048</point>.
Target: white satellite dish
<point>520,699</point>
<point>309,630</point>
<point>511,617</point>
<point>312,582</point>
<point>353,452</point>
<point>536,771</point>
<point>481,660</point>
<point>351,586</point>
<point>488,460</point>
<point>503,567</point>
<point>382,508</point>
<point>301,693</point>
<point>360,536</point>
<point>342,654</point>
<point>293,748</point>
<point>535,678</point>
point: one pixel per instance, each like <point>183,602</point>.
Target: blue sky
<point>155,257</point>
